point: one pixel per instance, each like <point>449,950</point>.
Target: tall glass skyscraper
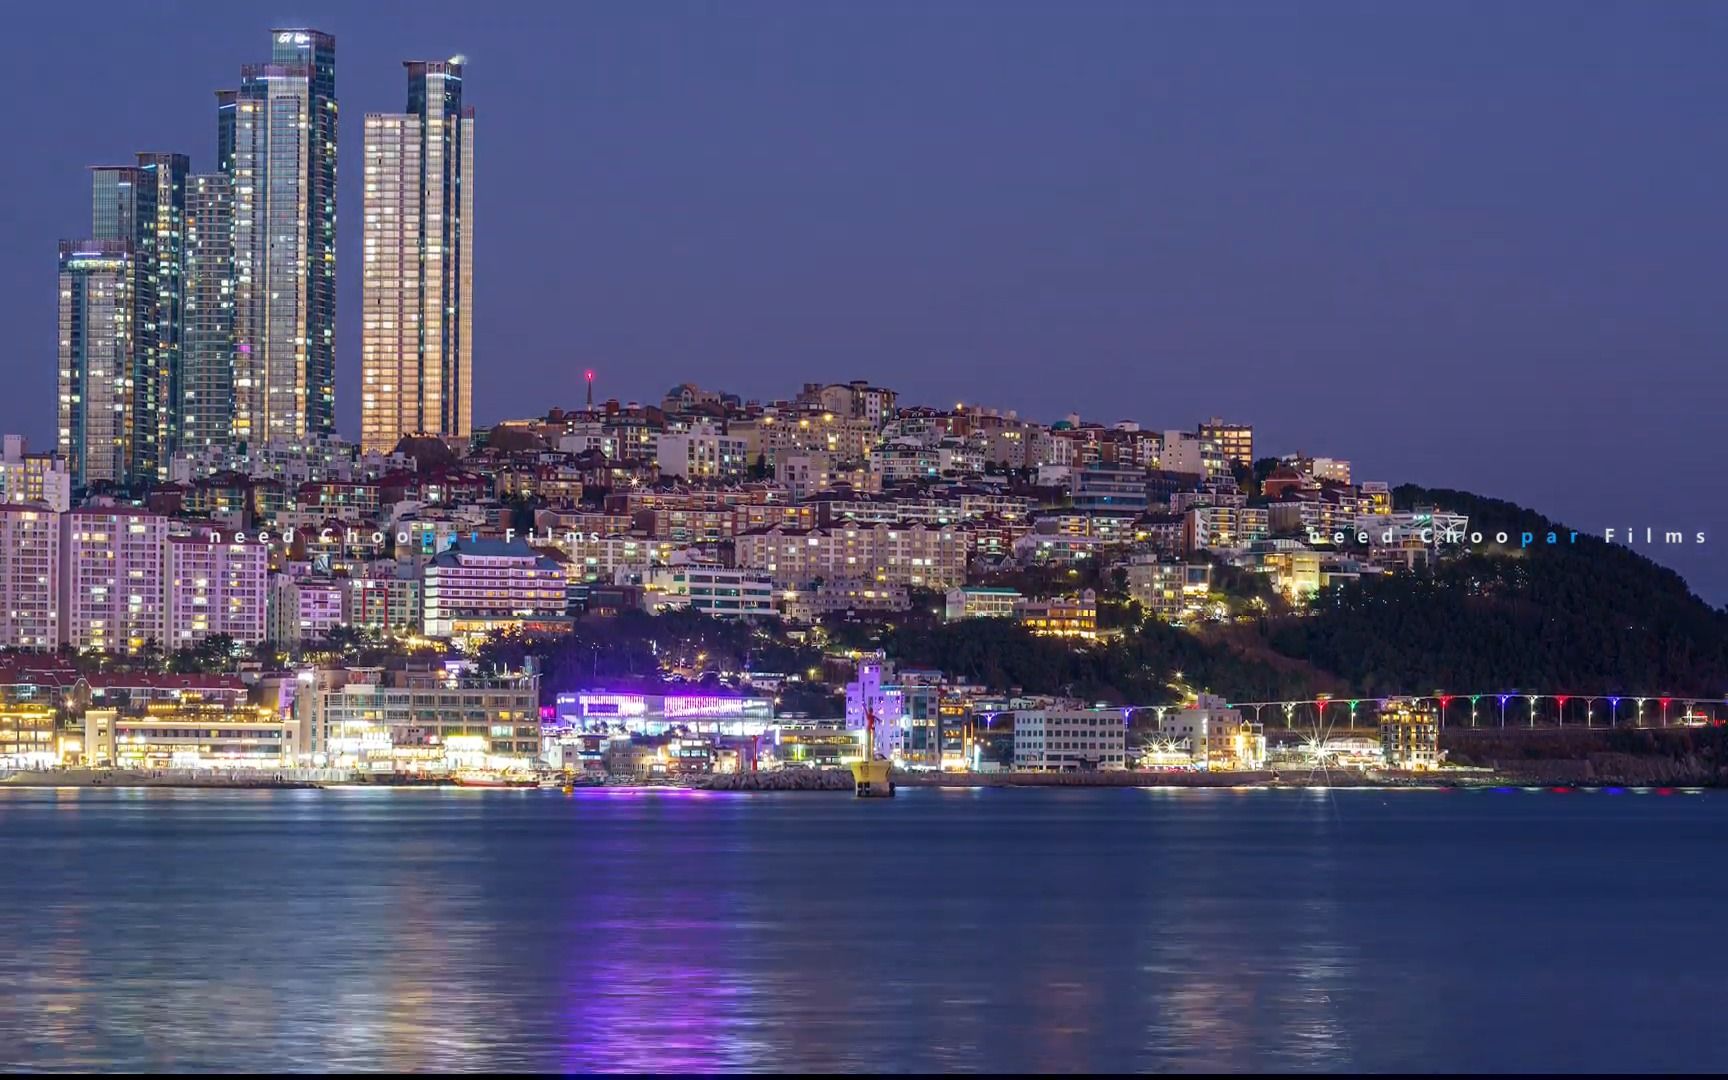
<point>98,357</point>
<point>276,140</point>
<point>418,263</point>
<point>205,399</point>
<point>139,211</point>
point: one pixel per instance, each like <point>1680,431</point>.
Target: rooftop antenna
<point>589,375</point>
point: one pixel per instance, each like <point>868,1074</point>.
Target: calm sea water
<point>945,930</point>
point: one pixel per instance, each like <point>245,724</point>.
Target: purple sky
<point>1480,246</point>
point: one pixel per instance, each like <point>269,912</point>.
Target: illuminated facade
<point>1070,740</point>
<point>29,578</point>
<point>33,478</point>
<point>205,398</point>
<point>981,602</point>
<point>1172,591</point>
<point>911,555</point>
<point>417,263</point>
<point>427,721</point>
<point>27,736</point>
<point>1409,735</point>
<point>1234,441</point>
<point>277,143</point>
<point>112,591</point>
<point>99,361</point>
<point>656,714</point>
<point>1061,616</point>
<point>1216,735</point>
<point>216,588</point>
<point>477,585</point>
<point>188,736</point>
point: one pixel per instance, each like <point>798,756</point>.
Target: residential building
<point>100,363</point>
<point>305,608</point>
<point>112,585</point>
<point>719,591</point>
<point>1110,489</point>
<point>844,596</point>
<point>913,555</point>
<point>204,398</point>
<point>42,479</point>
<point>276,141</point>
<point>1168,589</point>
<point>703,452</point>
<point>384,596</point>
<point>216,586</point>
<point>1234,441</point>
<point>1070,740</point>
<point>417,263</point>
<point>30,561</point>
<point>1209,527</point>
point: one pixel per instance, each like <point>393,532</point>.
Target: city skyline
<point>1369,251</point>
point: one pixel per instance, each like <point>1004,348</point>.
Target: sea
<point>990,930</point>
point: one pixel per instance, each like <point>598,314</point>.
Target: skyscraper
<point>142,207</point>
<point>205,400</point>
<point>276,139</point>
<point>162,260</point>
<point>418,263</point>
<point>98,359</point>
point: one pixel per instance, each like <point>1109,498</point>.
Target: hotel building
<point>475,586</point>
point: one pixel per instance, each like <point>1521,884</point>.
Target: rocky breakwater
<point>780,780</point>
<point>1631,757</point>
<point>164,778</point>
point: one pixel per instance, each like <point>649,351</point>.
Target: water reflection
<point>984,930</point>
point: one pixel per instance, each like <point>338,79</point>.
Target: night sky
<point>1480,246</point>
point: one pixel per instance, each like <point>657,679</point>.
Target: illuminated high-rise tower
<point>417,263</point>
<point>276,141</point>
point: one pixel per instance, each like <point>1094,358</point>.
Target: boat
<point>872,778</point>
<point>473,778</point>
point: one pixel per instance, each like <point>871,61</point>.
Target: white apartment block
<point>1208,527</point>
<point>1169,590</point>
<point>33,478</point>
<point>29,577</point>
<point>719,591</point>
<point>1069,740</point>
<point>216,588</point>
<point>980,602</point>
<point>112,586</point>
<point>304,608</point>
<point>702,453</point>
<point>1217,736</point>
<point>602,558</point>
<point>906,555</point>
